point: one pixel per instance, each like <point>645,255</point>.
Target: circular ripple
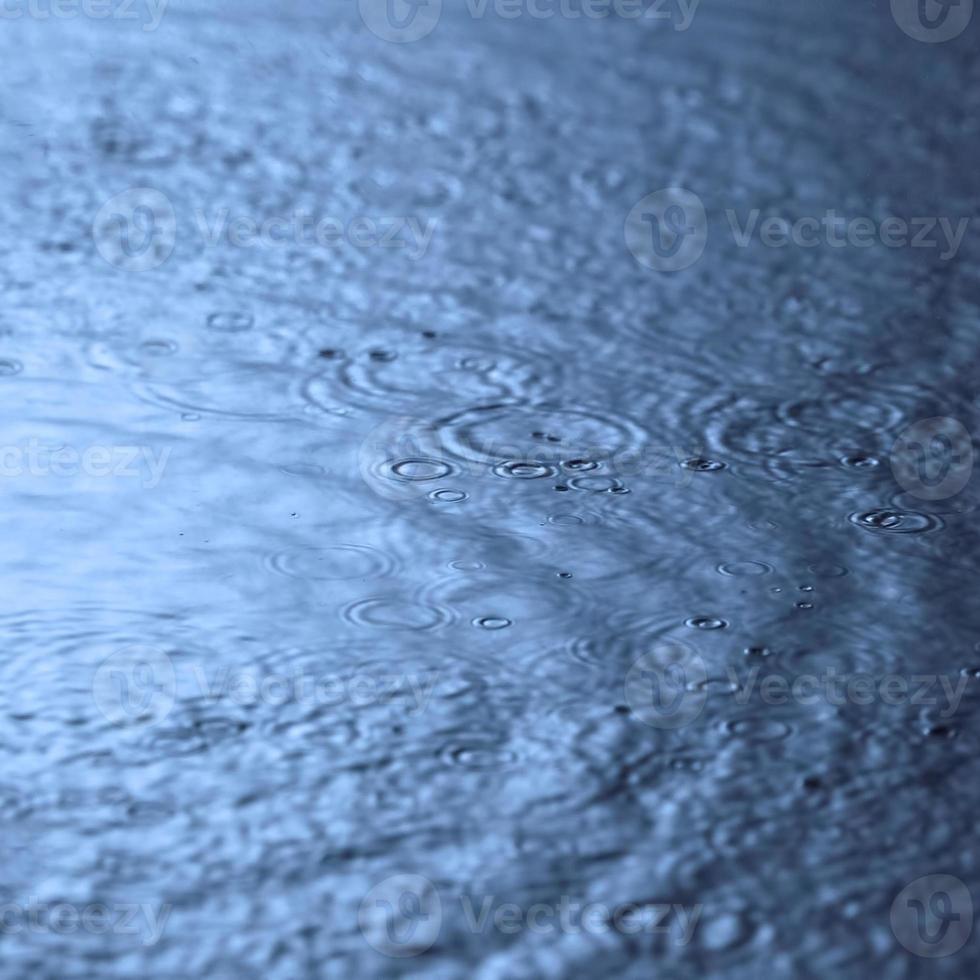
<point>233,322</point>
<point>597,484</point>
<point>395,614</point>
<point>701,465</point>
<point>492,622</point>
<point>424,374</point>
<point>256,392</point>
<point>745,568</point>
<point>819,432</point>
<point>418,469</point>
<point>896,522</point>
<point>543,434</point>
<point>706,623</point>
<point>519,470</point>
<point>480,756</point>
<point>335,563</point>
<point>448,496</point>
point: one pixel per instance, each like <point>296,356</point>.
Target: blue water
<point>450,529</point>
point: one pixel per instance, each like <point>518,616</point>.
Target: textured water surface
<point>400,559</point>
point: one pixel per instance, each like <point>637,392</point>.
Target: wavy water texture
<point>460,560</point>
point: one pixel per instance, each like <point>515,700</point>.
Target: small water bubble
<point>492,622</point>
<point>827,570</point>
<point>806,588</point>
<point>382,356</point>
<point>744,568</point>
<point>939,731</point>
<point>561,488</point>
<point>804,605</point>
<point>757,652</point>
<point>859,461</point>
<point>463,565</point>
<point>329,354</point>
<point>481,757</point>
<point>597,484</point>
<point>972,672</point>
<point>523,470</point>
<point>706,623</point>
<point>580,465</point>
<point>758,729</point>
<point>448,496</point>
<point>10,367</point>
<point>564,574</point>
<point>895,522</point>
<point>158,348</point>
<point>702,465</point>
<point>418,469</point>
<point>714,685</point>
<point>231,322</point>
